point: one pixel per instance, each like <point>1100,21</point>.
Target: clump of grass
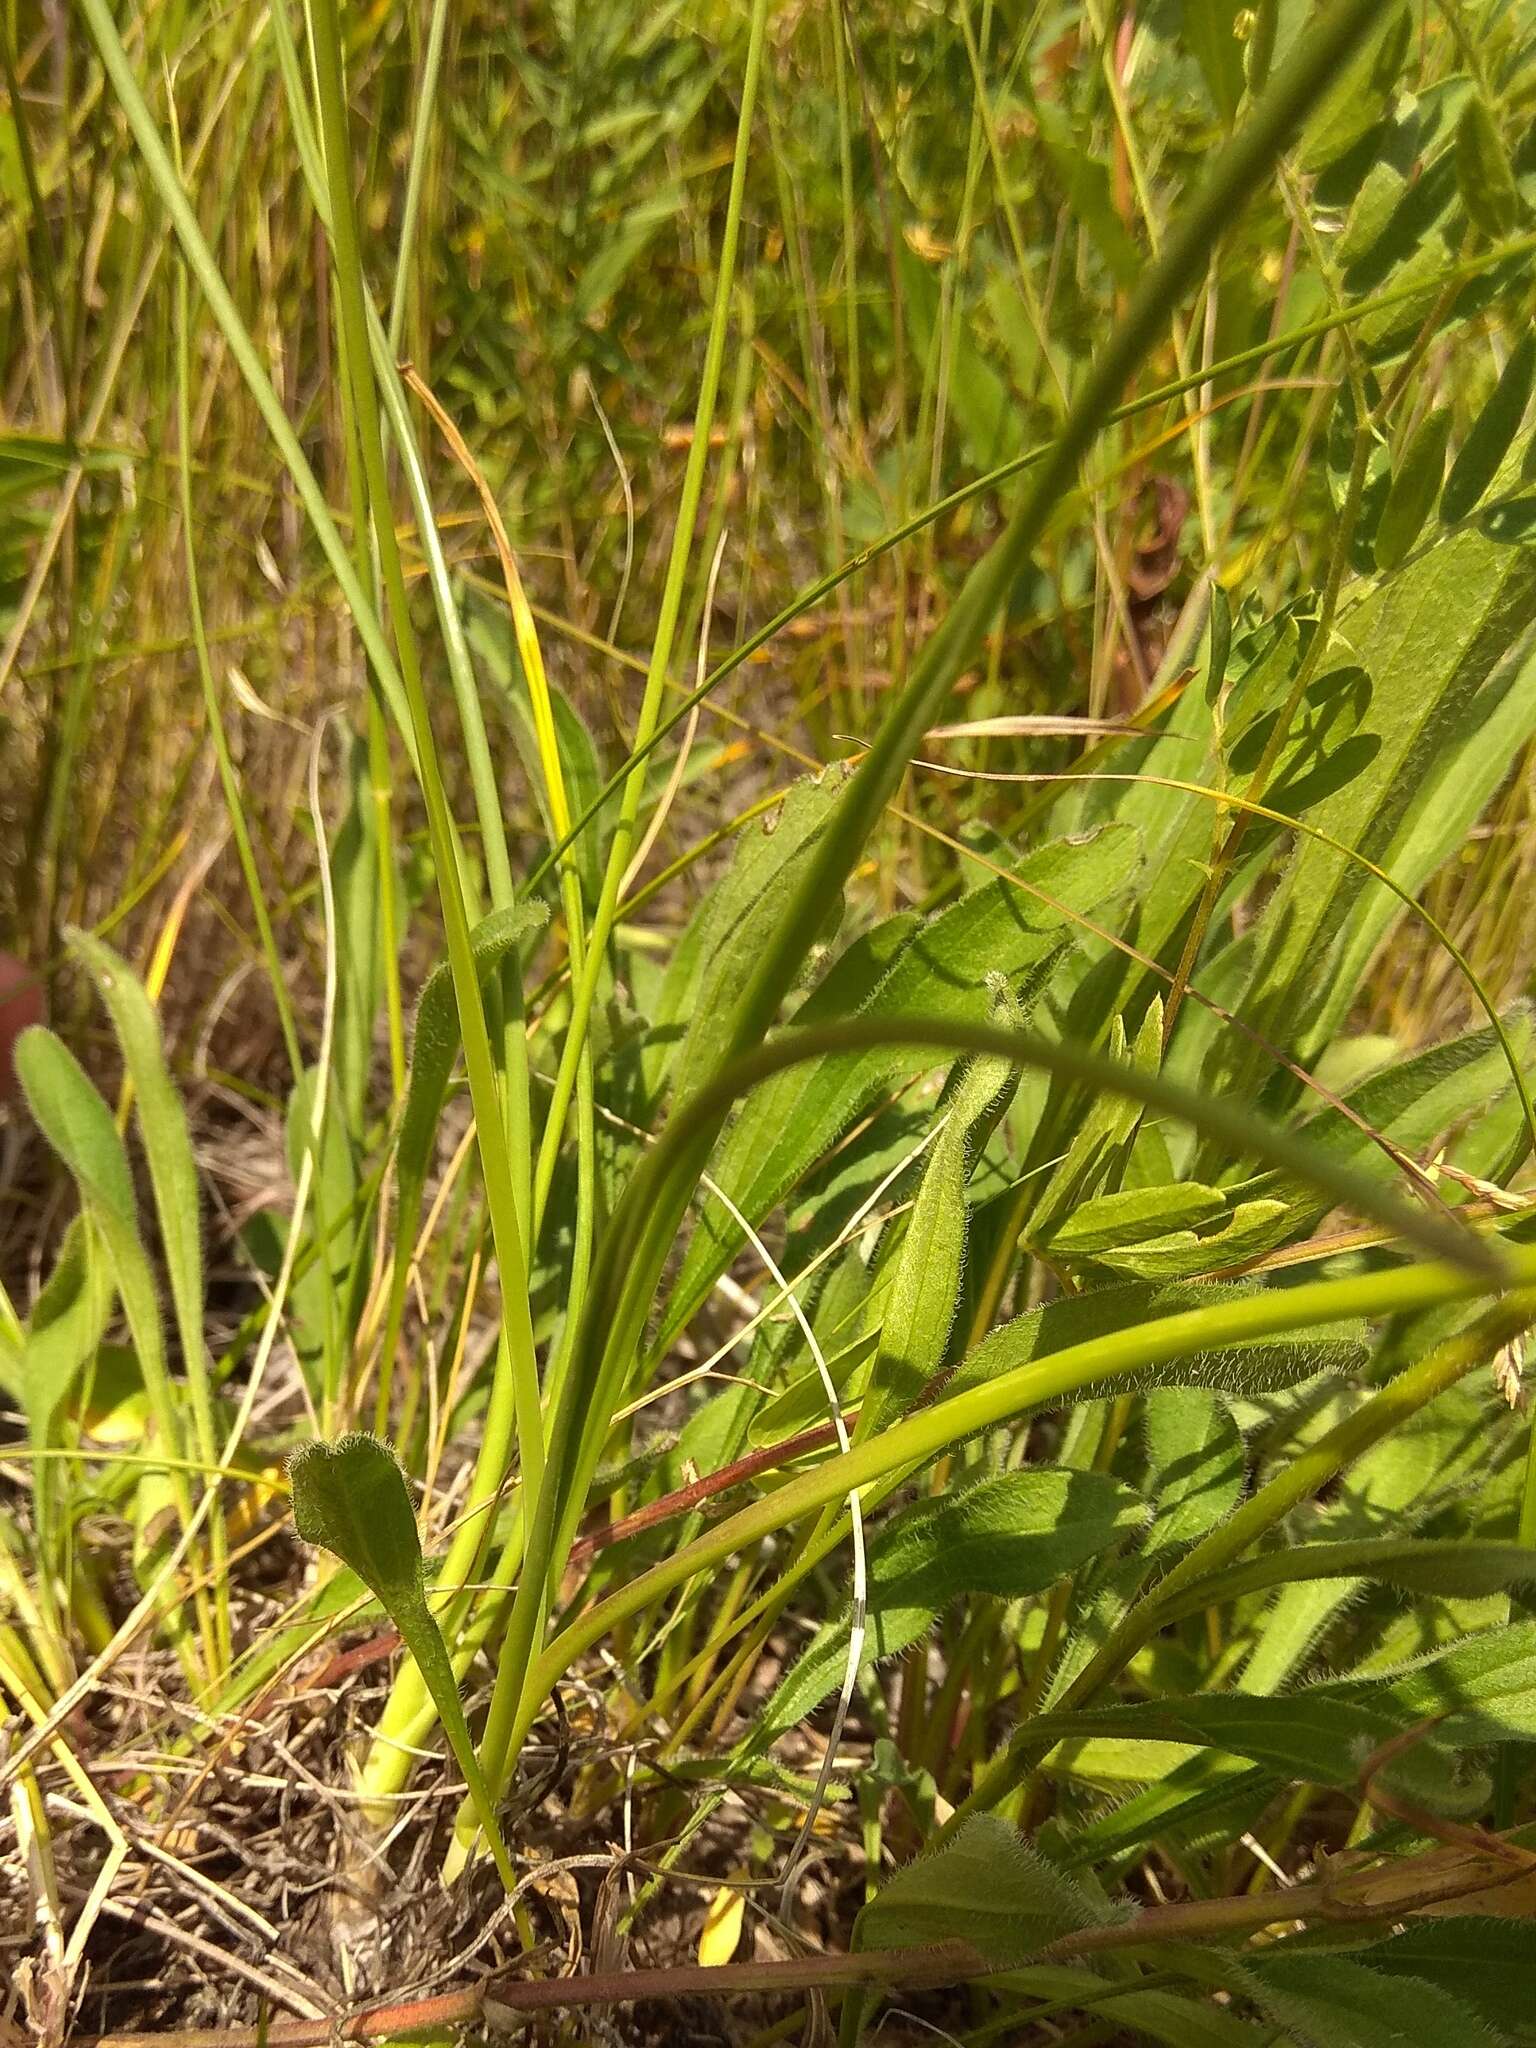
<point>924,1225</point>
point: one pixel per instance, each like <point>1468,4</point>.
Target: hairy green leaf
<point>1448,1569</point>
<point>919,1308</point>
<point>1484,1964</point>
<point>1195,1464</point>
<point>1011,1535</point>
<point>1250,1229</point>
<point>1335,2002</point>
<point>986,1886</point>
<point>1439,641</point>
<point>1133,1216</point>
<point>1247,1369</point>
<point>742,908</point>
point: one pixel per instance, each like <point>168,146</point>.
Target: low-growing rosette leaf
<point>987,1887</point>
<point>1014,1534</point>
<point>1322,2001</point>
<point>66,1325</point>
<point>79,1125</point>
<point>350,1498</point>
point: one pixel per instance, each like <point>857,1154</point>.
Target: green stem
<point>509,1713</point>
<point>514,1401</point>
<point>421,140</point>
<point>1300,1480</point>
<point>1045,1383</point>
<point>659,664</point>
<point>200,261</point>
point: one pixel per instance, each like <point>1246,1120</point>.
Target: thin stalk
<point>531,655</point>
<point>482,769</point>
<point>514,1402</point>
<point>633,787</point>
<point>528,1608</point>
<point>204,267</point>
<point>229,782</point>
<point>813,593</point>
<point>421,149</point>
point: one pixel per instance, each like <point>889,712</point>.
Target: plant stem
<point>515,1401</point>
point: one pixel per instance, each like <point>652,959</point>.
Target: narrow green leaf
<point>1312,1737</point>
<point>1485,1682</point>
<point>1413,1102</point>
<point>1100,1147</point>
<point>1415,487</point>
<point>744,907</point>
<point>161,1121</point>
<point>360,941</point>
<point>804,1401</point>
<point>1134,1215</point>
<point>1484,175</point>
<point>75,1121</point>
<point>78,1124</point>
<point>1459,1570</point>
<point>1492,435</point>
<point>1251,1229</point>
<point>319,1298</point>
<point>1364,90</point>
<point>919,1309</point>
<point>64,1328</point>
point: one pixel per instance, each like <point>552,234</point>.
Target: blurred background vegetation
<point>946,205</point>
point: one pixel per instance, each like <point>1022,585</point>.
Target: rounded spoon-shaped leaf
<point>350,1497</point>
